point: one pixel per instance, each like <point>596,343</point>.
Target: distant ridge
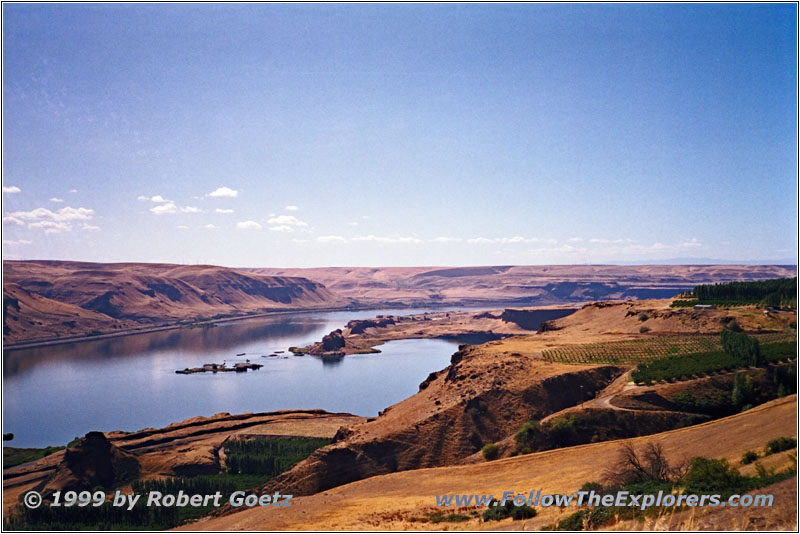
<point>785,262</point>
<point>45,299</point>
<point>521,285</point>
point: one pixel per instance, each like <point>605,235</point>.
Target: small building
<point>703,307</point>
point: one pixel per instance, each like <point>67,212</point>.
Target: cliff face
<point>523,285</point>
<point>93,461</point>
<point>46,298</point>
<point>480,398</point>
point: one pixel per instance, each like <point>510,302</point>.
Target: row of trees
<point>270,457</point>
<point>777,292</point>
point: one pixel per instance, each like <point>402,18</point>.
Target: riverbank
<point>46,342</point>
<point>362,336</point>
<point>35,343</point>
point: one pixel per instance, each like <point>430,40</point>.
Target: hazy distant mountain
<point>790,262</point>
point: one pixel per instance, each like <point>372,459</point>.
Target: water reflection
<point>52,394</point>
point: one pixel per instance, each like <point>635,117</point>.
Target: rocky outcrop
<point>93,461</point>
<point>424,431</point>
<point>359,326</point>
<point>333,341</point>
<point>532,319</point>
<point>73,298</point>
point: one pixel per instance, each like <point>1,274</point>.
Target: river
<point>54,394</point>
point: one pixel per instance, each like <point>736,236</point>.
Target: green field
<point>13,456</point>
<point>650,349</point>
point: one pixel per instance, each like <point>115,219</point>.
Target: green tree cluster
<point>741,346</point>
<point>776,292</point>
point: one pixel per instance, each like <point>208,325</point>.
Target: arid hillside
<point>489,391</point>
<point>523,284</point>
<point>43,299</point>
<point>396,501</point>
<point>190,447</point>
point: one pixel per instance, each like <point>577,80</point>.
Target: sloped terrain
<point>49,298</point>
<point>392,501</point>
<point>523,284</point>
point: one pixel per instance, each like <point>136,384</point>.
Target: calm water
<point>53,394</point>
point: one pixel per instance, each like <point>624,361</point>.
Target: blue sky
<point>399,134</point>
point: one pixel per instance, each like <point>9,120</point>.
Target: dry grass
<point>387,502</point>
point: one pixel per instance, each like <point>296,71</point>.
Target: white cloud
<point>352,223</point>
<point>90,228</point>
<point>163,209</point>
<point>52,222</point>
<point>291,208</point>
<point>287,220</point>
<point>182,227</point>
<point>223,210</point>
<point>44,214</point>
<point>13,221</point>
<point>16,243</point>
<point>158,199</point>
<point>281,228</point>
<point>690,243</point>
<point>170,207</point>
<point>599,249</point>
<point>606,241</point>
<point>248,225</point>
<point>574,239</point>
<point>331,239</point>
<point>51,227</point>
<point>510,240</point>
<point>11,189</point>
<point>224,192</point>
<point>73,190</point>
<point>210,226</point>
<point>295,240</point>
<point>383,239</point>
<point>56,199</point>
<point>446,240</point>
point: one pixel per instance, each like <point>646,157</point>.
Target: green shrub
<point>572,522</point>
<point>562,430</point>
<point>591,519</point>
<point>743,393</point>
<point>527,435</point>
<point>439,517</point>
<point>490,451</point>
<point>509,509</point>
<point>749,457</point>
<point>713,476</point>
<point>643,316</point>
<point>644,329</point>
<point>780,444</point>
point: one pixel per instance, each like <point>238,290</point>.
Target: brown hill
<point>52,298</point>
<point>456,412</point>
<point>93,461</point>
<point>523,284</point>
<point>25,312</point>
<point>396,501</point>
<point>490,390</point>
